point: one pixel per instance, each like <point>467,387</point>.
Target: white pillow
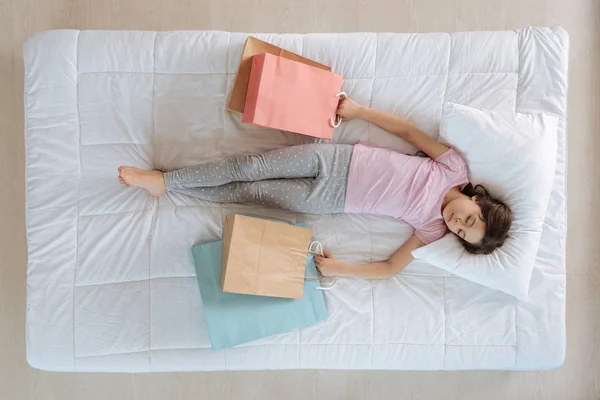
<point>514,156</point>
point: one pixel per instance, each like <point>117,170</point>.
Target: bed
<point>111,284</point>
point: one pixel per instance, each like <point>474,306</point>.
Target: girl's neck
<point>451,194</point>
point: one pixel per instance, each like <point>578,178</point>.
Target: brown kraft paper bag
<point>252,47</point>
<point>264,258</point>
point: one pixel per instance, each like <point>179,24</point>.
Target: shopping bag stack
<point>260,280</point>
<point>278,89</point>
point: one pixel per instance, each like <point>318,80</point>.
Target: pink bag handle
<point>338,118</point>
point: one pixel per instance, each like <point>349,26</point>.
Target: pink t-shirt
<point>410,188</point>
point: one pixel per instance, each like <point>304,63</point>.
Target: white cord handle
<point>317,248</point>
<point>316,245</point>
<point>328,287</point>
<point>338,118</point>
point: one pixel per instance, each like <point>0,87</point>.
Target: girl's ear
<point>474,198</point>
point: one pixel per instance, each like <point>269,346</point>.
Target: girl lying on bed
<point>432,193</point>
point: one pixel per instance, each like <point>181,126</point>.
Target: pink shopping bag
<point>291,96</point>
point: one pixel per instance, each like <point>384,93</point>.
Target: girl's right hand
<point>349,109</point>
<point>328,265</point>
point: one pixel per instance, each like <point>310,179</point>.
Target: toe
<point>125,173</point>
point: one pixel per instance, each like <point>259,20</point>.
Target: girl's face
<point>463,217</point>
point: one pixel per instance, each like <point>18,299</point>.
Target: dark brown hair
<point>497,217</point>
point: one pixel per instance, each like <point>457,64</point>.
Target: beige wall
<point>579,378</point>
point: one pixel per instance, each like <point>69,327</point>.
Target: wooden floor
<point>579,378</point>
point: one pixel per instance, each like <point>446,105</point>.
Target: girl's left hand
<point>328,265</point>
<point>349,109</point>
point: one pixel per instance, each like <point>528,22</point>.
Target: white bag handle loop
<point>338,118</point>
<point>316,248</point>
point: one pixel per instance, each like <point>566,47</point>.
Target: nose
<point>457,221</point>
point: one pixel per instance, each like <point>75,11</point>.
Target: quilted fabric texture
<point>111,283</point>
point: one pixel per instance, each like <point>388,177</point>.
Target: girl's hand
<point>349,109</point>
<point>328,265</point>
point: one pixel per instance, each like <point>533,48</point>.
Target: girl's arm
<point>330,266</point>
<point>349,109</point>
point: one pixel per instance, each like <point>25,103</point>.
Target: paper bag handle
<point>317,248</point>
<point>337,121</point>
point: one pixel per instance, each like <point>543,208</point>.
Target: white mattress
<point>111,285</point>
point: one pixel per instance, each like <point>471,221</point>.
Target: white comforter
<point>111,285</point>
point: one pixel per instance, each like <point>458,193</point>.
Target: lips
<point>450,217</point>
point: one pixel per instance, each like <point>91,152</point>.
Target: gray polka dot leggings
<point>309,179</point>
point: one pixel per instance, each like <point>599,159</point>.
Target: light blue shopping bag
<point>233,318</point>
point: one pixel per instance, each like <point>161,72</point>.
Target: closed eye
<point>461,233</point>
<point>471,221</point>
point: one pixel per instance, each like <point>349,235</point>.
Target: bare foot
<point>122,181</point>
<point>152,181</point>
